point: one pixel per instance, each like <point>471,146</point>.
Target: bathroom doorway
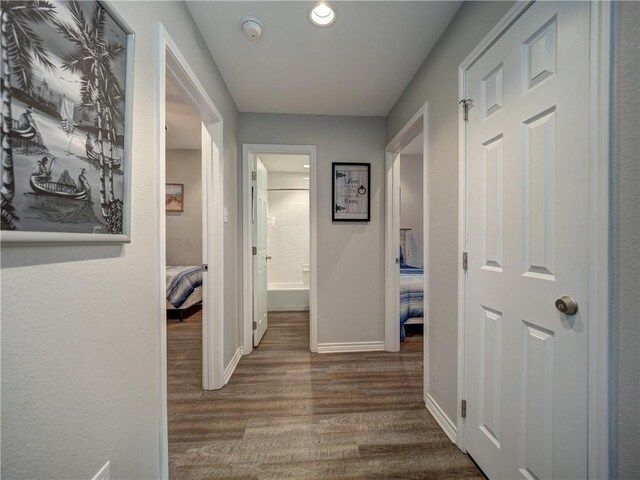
<point>279,237</point>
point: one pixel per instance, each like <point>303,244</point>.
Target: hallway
<point>291,414</point>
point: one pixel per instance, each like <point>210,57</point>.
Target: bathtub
<point>282,297</point>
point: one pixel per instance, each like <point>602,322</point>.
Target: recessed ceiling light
<point>322,15</point>
<point>305,166</point>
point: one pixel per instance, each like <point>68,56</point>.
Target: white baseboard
<point>232,365</point>
<point>445,422</point>
<point>292,308</point>
<point>351,347</point>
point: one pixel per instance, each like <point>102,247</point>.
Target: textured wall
<point>350,255</point>
<point>80,325</point>
<point>437,83</point>
<point>625,357</point>
<point>184,229</point>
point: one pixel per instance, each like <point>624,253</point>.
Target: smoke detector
<point>251,27</point>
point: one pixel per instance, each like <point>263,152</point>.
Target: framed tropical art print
<point>350,192</point>
<point>66,122</point>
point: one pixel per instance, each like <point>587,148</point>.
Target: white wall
<point>625,374</point>
<point>350,255</point>
<point>437,82</point>
<point>80,326</point>
<point>288,240</point>
<point>184,229</point>
<point>411,207</point>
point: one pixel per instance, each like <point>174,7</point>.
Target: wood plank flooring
<point>290,414</point>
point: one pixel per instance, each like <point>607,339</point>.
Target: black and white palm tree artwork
<point>63,98</point>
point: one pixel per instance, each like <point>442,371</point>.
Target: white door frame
<point>171,62</point>
<point>415,126</point>
<point>598,367</point>
<point>248,150</point>
<point>418,124</point>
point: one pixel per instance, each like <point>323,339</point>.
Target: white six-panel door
<point>261,231</point>
<point>527,240</point>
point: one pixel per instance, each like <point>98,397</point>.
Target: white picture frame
<point>63,114</point>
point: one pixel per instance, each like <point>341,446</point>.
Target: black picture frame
<point>350,192</point>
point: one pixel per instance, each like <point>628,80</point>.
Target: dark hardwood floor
<point>290,414</point>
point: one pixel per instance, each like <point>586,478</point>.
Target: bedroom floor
<point>291,414</point>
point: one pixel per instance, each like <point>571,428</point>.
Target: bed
<point>184,287</point>
<point>411,296</point>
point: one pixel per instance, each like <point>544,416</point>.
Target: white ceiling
<point>183,123</point>
<point>285,163</point>
<point>358,66</point>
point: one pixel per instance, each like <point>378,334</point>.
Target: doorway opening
<point>187,114</point>
<point>184,209</point>
<point>409,148</point>
<point>412,244</point>
<point>279,210</point>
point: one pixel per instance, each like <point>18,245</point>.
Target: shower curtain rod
<point>286,189</point>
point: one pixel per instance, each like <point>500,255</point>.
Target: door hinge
<point>465,261</point>
<point>253,176</point>
<point>205,267</point>
<point>254,250</point>
<point>463,409</point>
<point>466,103</point>
<point>255,325</point>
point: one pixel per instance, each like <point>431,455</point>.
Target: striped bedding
<point>181,283</point>
<point>411,295</point>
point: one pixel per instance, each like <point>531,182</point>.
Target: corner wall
<point>437,83</point>
<point>351,268</point>
<point>625,253</point>
<point>80,326</point>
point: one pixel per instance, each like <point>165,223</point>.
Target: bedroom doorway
<point>187,114</point>
<point>406,238</point>
<point>279,212</point>
<point>412,244</point>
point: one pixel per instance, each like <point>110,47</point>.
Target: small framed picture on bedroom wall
<point>351,184</point>
<point>174,199</point>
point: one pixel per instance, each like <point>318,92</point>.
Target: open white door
<point>260,259</point>
<point>528,187</point>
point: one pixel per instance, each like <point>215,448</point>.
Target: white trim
<point>249,150</point>
<point>172,63</point>
<point>291,308</point>
<point>228,371</point>
<point>599,203</point>
<point>599,294</point>
<point>443,420</point>
<point>419,123</point>
<point>345,347</point>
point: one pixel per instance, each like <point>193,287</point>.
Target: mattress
<point>183,282</point>
<point>411,296</point>
<point>193,299</point>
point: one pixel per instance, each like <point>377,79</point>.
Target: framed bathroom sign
<point>66,136</point>
<point>350,192</point>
